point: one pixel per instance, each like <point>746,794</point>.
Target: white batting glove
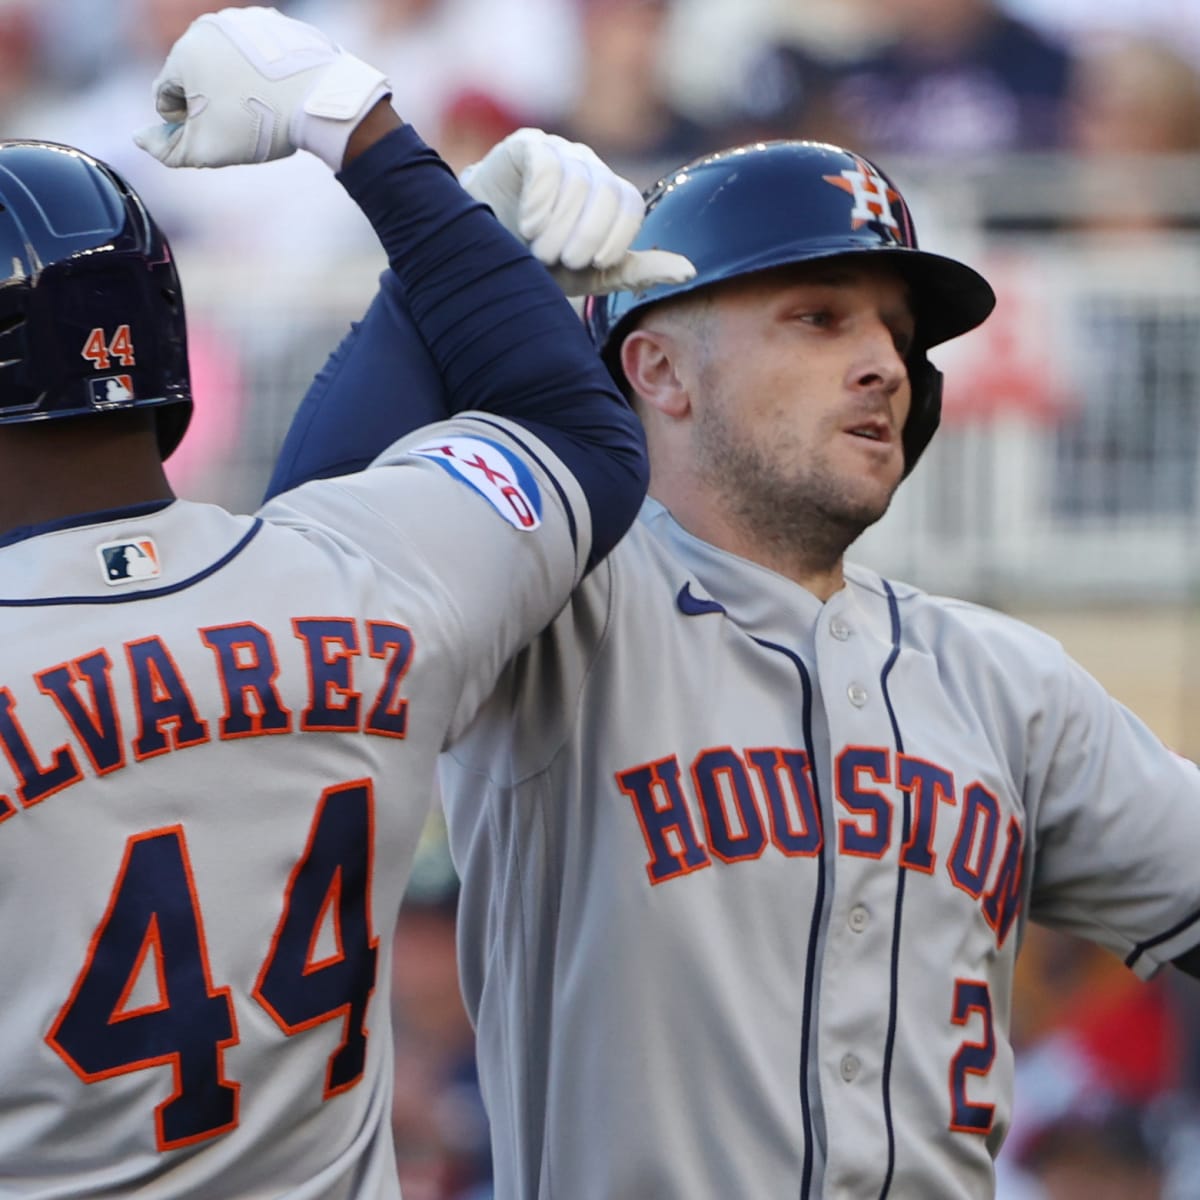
<point>248,84</point>
<point>576,215</point>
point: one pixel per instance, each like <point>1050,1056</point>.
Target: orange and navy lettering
<point>871,839</point>
<point>247,669</point>
<point>665,818</point>
<point>971,998</point>
<point>83,693</point>
<point>145,996</point>
<point>393,643</point>
<point>733,835</point>
<point>190,1023</point>
<point>330,884</point>
<point>1000,905</point>
<point>740,795</point>
<point>96,725</point>
<point>971,858</point>
<point>35,782</point>
<point>330,645</point>
<point>786,779</point>
<point>163,701</point>
<point>929,786</point>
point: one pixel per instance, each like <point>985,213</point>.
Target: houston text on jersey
<point>733,790</point>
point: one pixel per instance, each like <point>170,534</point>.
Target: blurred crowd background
<point>1055,144</point>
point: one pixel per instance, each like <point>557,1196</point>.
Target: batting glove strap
<point>576,214</point>
<point>249,85</point>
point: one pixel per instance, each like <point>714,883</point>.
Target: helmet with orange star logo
<point>768,204</point>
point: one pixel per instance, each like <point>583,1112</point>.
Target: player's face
<point>800,395</point>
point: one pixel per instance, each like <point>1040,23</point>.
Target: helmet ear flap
<point>925,411</point>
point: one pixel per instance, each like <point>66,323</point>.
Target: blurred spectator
<point>472,122</point>
<point>1173,22</point>
<point>712,43</point>
<point>952,78</point>
<point>1131,447</point>
<point>1102,1155</point>
<point>1099,1055</point>
<point>622,107</point>
<point>521,54</point>
<point>23,80</point>
<point>438,1121</point>
<point>1075,1003</point>
<point>1130,98</point>
<point>226,217</point>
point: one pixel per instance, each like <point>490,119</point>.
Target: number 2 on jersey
<point>971,996</point>
<point>153,921</point>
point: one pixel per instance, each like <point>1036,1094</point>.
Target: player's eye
<point>821,318</point>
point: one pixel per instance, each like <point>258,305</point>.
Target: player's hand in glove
<point>247,85</point>
<point>576,215</point>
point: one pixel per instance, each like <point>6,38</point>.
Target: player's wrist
<point>344,91</point>
<point>379,121</point>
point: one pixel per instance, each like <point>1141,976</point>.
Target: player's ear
<point>651,360</point>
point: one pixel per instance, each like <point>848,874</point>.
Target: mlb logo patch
<point>129,561</point>
<point>111,390</point>
<point>493,471</point>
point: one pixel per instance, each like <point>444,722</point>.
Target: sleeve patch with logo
<point>493,471</point>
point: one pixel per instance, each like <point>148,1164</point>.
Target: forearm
<point>495,336</point>
<point>495,323</point>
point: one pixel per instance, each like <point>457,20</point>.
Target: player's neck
<point>49,475</point>
<point>816,570</point>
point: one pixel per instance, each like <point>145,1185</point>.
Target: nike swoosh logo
<point>694,606</point>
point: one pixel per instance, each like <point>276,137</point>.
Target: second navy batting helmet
<point>769,204</point>
<point>91,311</point>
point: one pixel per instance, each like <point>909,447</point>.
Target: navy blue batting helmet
<point>91,311</point>
<point>769,204</point>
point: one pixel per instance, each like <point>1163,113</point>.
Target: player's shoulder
<point>951,625</point>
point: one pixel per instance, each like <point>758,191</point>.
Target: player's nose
<point>877,364</point>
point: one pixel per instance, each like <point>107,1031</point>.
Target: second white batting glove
<point>576,214</point>
<point>248,84</point>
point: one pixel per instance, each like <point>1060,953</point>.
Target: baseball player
<point>219,732</point>
<point>749,834</point>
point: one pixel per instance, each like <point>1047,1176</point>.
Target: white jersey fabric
<point>219,734</point>
<point>745,875</point>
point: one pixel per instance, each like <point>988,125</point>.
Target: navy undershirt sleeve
<point>378,385</point>
<point>451,331</point>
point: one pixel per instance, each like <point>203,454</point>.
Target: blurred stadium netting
<point>1054,144</point>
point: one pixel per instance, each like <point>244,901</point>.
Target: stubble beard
<point>805,519</point>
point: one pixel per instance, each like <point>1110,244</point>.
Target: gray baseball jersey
<point>219,736</point>
<point>745,875</point>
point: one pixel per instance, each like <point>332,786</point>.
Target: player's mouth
<point>872,429</point>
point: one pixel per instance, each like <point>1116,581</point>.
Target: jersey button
<point>859,918</point>
<point>850,1067</point>
<point>839,629</point>
<point>857,694</point>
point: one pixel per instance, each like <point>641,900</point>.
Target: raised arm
<point>578,218</point>
<point>249,84</point>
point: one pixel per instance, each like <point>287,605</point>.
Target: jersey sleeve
<point>472,525</point>
<point>1117,833</point>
